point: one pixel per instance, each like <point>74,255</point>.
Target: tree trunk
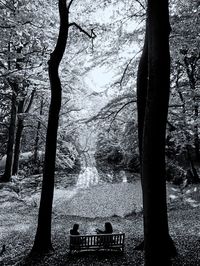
<point>190,69</point>
<point>20,126</point>
<point>196,143</point>
<point>153,97</point>
<point>11,136</point>
<point>192,175</point>
<point>42,243</point>
<point>142,76</point>
<point>35,156</point>
<point>196,129</point>
<point>153,159</point>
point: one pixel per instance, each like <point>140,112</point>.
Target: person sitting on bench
<point>75,231</point>
<point>108,229</point>
<point>106,240</point>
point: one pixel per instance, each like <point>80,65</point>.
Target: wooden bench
<point>97,242</point>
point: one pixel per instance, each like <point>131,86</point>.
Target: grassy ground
<point>18,221</point>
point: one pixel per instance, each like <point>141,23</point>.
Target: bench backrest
<point>97,240</point>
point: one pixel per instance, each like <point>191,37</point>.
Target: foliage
<point>28,33</point>
<point>185,79</point>
<point>117,139</point>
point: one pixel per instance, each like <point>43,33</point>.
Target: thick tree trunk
<point>42,243</point>
<point>153,97</point>
<point>20,126</point>
<point>11,136</point>
<point>153,159</point>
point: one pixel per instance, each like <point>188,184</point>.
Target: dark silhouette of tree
<point>42,243</point>
<point>153,95</point>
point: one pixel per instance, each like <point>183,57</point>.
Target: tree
<point>183,140</point>
<point>153,96</point>
<point>22,109</point>
<point>185,70</point>
<point>18,65</point>
<point>11,134</point>
<point>42,243</point>
<point>117,133</point>
<point>36,144</point>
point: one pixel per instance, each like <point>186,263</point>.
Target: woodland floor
<point>18,220</point>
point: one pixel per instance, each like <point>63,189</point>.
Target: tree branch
<point>13,10</point>
<point>118,111</point>
<point>72,110</point>
<point>175,105</point>
<point>30,101</point>
<point>138,1</point>
<point>124,72</point>
<point>125,69</point>
<point>171,127</point>
<point>92,35</point>
<point>70,3</point>
<point>16,70</point>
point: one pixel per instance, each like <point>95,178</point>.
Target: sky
<point>98,78</point>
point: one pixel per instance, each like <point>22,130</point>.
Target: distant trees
<point>23,81</point>
<point>18,65</point>
<point>185,63</point>
<point>11,134</point>
<point>153,95</point>
<point>117,134</point>
<point>23,109</point>
<point>183,133</point>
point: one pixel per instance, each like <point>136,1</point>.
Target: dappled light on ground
<point>104,201</point>
<point>119,203</point>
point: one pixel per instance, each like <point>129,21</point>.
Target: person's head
<point>75,227</point>
<point>108,227</point>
